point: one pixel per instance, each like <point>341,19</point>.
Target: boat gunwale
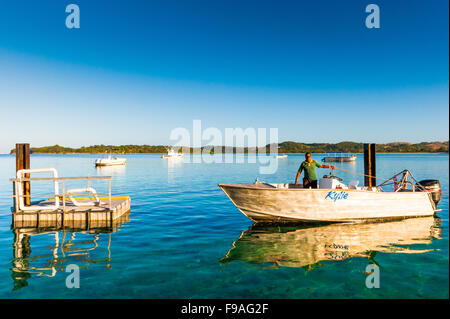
<point>242,186</point>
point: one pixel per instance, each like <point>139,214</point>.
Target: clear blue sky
<point>137,69</point>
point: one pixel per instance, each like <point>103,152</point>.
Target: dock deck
<point>72,216</point>
<point>62,209</point>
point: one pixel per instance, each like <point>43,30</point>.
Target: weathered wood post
<point>369,165</point>
<point>23,162</point>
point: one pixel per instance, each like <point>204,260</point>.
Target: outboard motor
<point>434,187</point>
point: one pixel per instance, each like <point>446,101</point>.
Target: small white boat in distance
<point>110,161</point>
<point>339,157</point>
<point>334,201</point>
<point>281,156</point>
<point>172,154</point>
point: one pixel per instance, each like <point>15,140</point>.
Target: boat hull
<point>270,204</point>
<point>339,159</point>
<point>110,163</point>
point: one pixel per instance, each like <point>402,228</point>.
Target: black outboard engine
<point>434,187</point>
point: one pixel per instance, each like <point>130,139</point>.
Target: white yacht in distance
<point>172,154</point>
<point>110,161</point>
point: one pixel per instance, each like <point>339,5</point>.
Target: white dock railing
<point>19,196</point>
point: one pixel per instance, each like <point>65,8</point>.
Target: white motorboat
<point>172,154</point>
<point>110,161</point>
<point>334,201</point>
<point>281,156</point>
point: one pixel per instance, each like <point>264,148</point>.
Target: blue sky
<point>135,70</point>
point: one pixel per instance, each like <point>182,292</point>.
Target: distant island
<point>285,147</point>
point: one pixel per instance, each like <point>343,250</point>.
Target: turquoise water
<point>185,239</point>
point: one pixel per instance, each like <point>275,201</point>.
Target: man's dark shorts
<point>309,184</point>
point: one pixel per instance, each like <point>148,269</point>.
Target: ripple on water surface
<point>185,239</point>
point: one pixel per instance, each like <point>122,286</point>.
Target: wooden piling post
<point>23,162</point>
<point>369,165</point>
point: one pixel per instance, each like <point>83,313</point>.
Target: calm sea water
<point>185,239</point>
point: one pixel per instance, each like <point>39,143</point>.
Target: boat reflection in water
<point>45,250</point>
<point>306,246</point>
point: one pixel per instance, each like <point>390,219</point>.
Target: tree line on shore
<point>284,147</point>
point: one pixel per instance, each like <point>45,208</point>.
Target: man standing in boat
<point>309,166</point>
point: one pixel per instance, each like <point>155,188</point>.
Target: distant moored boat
<point>172,154</point>
<point>110,161</point>
<point>340,157</point>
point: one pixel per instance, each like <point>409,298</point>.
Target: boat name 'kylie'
<point>336,195</point>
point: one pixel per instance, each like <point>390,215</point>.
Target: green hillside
<point>284,147</point>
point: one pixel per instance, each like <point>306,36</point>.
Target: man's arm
<point>298,174</point>
<point>328,166</point>
<point>296,178</point>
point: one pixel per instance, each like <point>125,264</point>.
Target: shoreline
<point>395,153</point>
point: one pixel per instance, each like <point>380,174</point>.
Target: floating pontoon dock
<point>41,224</point>
<point>71,208</point>
<point>75,212</point>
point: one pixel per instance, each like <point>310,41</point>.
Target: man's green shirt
<point>310,169</point>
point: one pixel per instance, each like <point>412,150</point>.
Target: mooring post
<point>369,165</point>
<point>23,162</point>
